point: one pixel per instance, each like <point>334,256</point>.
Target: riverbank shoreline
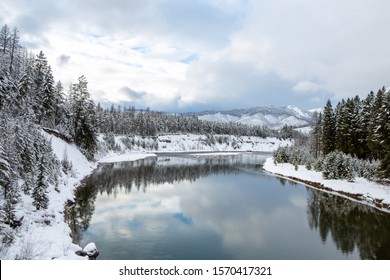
<point>361,190</point>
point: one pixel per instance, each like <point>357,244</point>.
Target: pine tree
<point>5,171</point>
<point>39,195</point>
<point>316,134</point>
<point>377,126</point>
<point>364,121</point>
<point>14,51</point>
<point>49,100</point>
<point>26,86</point>
<point>8,92</point>
<point>12,199</point>
<point>384,137</point>
<point>60,110</point>
<point>5,41</point>
<point>328,129</point>
<point>83,118</point>
<point>341,139</point>
<point>9,155</point>
<point>40,75</point>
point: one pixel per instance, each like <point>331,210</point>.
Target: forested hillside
<point>30,100</point>
<point>350,140</point>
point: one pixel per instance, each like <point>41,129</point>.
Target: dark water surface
<point>181,207</point>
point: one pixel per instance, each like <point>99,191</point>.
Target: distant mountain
<point>271,116</point>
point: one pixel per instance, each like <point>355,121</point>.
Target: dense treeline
<point>128,121</point>
<point>360,128</point>
<point>346,140</point>
<point>30,100</point>
<point>29,93</point>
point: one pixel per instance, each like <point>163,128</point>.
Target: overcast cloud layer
<point>177,55</point>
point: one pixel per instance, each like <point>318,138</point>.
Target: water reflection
<point>350,225</point>
<point>183,208</point>
<point>125,176</point>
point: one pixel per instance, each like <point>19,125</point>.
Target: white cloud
<point>306,87</point>
<point>247,53</point>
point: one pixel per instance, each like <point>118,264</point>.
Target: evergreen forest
<point>348,141</point>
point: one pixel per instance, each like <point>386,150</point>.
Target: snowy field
<point>362,190</point>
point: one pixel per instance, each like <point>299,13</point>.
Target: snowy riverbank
<point>362,190</point>
<point>187,143</point>
<point>45,234</point>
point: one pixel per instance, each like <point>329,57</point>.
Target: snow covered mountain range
<point>270,116</point>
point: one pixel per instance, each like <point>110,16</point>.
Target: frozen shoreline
<point>361,190</point>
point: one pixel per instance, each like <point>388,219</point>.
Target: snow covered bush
<point>294,155</point>
<point>128,142</point>
<point>338,165</point>
<point>335,165</point>
<point>109,139</point>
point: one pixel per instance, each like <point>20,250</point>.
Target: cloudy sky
<point>179,56</point>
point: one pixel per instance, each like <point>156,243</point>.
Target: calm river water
<point>183,207</point>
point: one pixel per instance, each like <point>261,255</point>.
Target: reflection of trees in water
<point>131,175</point>
<point>80,214</point>
<point>111,178</point>
<point>350,224</point>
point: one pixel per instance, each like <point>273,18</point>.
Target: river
<point>178,206</point>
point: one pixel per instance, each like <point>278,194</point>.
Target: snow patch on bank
<point>369,192</point>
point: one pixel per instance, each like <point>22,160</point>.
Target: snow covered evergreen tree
<point>39,194</point>
<point>83,118</point>
<point>384,135</point>
<point>315,138</point>
<point>5,171</point>
<point>364,122</point>
<point>376,126</point>
<point>328,129</point>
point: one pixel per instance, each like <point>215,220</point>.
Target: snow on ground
<point>194,143</point>
<point>45,234</point>
<point>366,191</point>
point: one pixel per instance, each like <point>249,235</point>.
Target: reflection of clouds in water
<point>229,211</point>
<point>234,213</point>
<point>200,211</point>
<point>135,211</point>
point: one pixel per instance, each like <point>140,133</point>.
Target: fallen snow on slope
<point>44,234</point>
